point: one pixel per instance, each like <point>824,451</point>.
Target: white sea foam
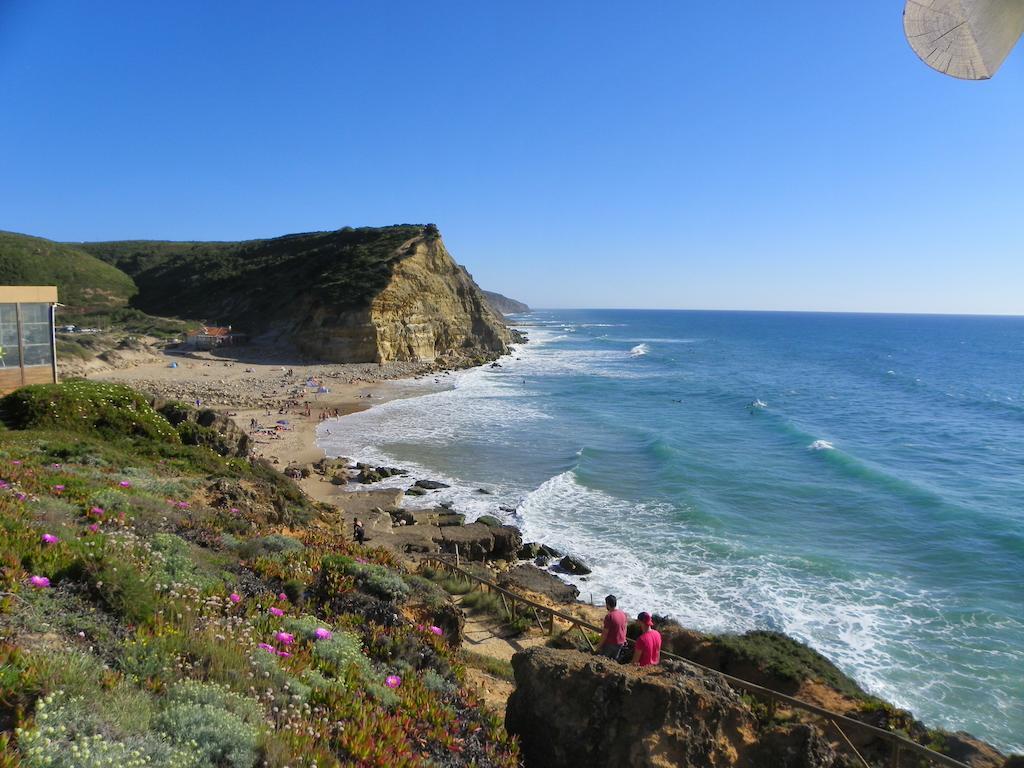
<point>759,404</point>
<point>639,350</point>
<point>821,445</point>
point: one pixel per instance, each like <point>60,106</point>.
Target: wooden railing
<point>516,605</point>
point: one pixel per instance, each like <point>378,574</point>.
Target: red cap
<point>645,618</point>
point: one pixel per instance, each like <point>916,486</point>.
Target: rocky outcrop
<point>503,304</point>
<point>477,541</point>
<point>530,579</point>
<point>572,709</point>
<point>430,309</point>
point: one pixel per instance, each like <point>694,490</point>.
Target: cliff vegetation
<point>162,604</point>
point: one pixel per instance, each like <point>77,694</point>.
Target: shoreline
<point>234,387</point>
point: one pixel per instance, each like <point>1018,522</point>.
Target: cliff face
<point>429,309</point>
<point>572,709</point>
<point>353,295</point>
<point>504,305</point>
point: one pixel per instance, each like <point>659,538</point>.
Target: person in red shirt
<point>648,645</point>
<point>614,635</point>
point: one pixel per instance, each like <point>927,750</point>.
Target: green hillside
<point>84,283</point>
<point>252,283</point>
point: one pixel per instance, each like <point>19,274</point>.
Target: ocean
<point>856,481</point>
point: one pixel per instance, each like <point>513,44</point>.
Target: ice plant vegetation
<point>153,658</point>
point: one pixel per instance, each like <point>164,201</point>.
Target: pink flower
<point>323,634</point>
<point>58,488</point>
<point>235,598</point>
<point>55,466</point>
<point>39,582</point>
<point>276,612</point>
<point>20,496</point>
<point>233,510</point>
<point>267,647</point>
<point>284,654</point>
<point>284,638</point>
<point>49,538</point>
<point>4,485</point>
<point>16,462</point>
<point>96,512</point>
<point>125,484</point>
<point>94,528</point>
<point>393,681</point>
<point>437,630</point>
<point>182,505</point>
<point>283,596</point>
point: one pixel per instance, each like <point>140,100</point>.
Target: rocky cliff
<point>351,295</point>
<point>573,709</point>
<point>429,309</point>
<point>503,304</point>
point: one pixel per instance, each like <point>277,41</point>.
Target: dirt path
<point>486,636</point>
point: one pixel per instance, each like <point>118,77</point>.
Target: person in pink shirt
<point>648,645</point>
<point>614,635</point>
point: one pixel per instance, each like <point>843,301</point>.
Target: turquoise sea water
<point>856,481</point>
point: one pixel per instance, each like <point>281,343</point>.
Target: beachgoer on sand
<point>613,638</point>
<point>648,646</point>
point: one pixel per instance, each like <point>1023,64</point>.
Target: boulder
<point>477,541</point>
<point>551,552</point>
<point>489,520</point>
<point>327,465</point>
<point>574,565</point>
<point>528,551</point>
<point>369,476</point>
<point>339,479</point>
<point>507,541</point>
<point>573,709</point>
<point>526,577</point>
<point>430,485</point>
<point>474,541</point>
<point>414,491</point>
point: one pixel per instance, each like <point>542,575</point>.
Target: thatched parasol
<point>968,39</point>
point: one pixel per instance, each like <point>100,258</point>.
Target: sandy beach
<point>278,403</point>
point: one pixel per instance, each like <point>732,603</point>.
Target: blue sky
<point>663,154</point>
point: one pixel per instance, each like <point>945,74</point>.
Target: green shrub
<point>341,652</point>
<point>173,563</point>
<point>778,654</point>
<point>434,682</point>
<point>219,726</point>
<point>123,590</point>
<point>304,627</point>
<point>267,546</point>
<point>372,579</point>
<point>206,437</point>
<point>492,666</point>
<point>70,732</point>
<point>109,410</point>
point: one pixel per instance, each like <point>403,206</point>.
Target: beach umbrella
<point>968,39</point>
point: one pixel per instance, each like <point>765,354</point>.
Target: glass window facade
<point>36,334</point>
<point>10,357</point>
